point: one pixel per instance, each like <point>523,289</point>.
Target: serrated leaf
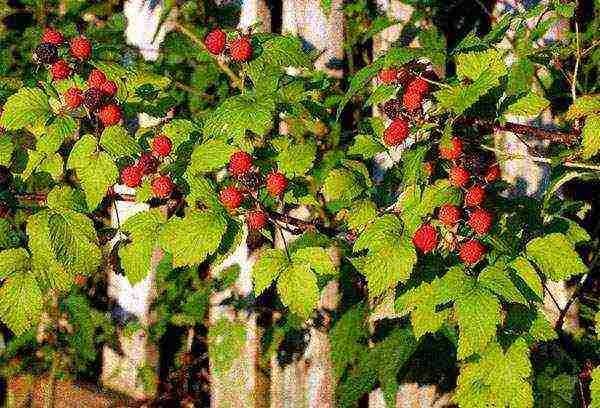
<point>365,146</point>
<point>82,150</point>
<point>66,197</point>
<point>283,51</point>
<point>361,214</point>
<point>179,131</point>
<point>527,106</point>
<point>202,190</point>
<point>298,290</point>
<point>583,106</point>
<point>297,159</point>
<point>341,184</point>
<point>34,159</point>
<point>478,314</point>
<point>117,142</point>
<point>347,336</point>
<point>136,257</point>
<point>556,257</point>
<point>53,165</point>
<point>474,64</point>
<point>461,97</point>
<point>595,389</point>
<point>13,260</point>
<point>210,155</point>
<point>144,223</point>
<point>96,176</point>
<point>377,234</point>
<point>527,272</point>
<point>316,258</point>
<point>591,136</point>
<point>62,128</point>
<point>381,94</point>
<point>270,264</point>
<point>21,302</point>
<point>226,342</point>
<point>495,277</point>
<point>192,238</point>
<point>27,107</point>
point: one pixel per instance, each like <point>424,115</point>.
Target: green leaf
<point>595,388</point>
<point>6,150</point>
<point>144,223</point>
<point>475,64</point>
<point>136,258</point>
<point>283,51</point>
<point>210,155</point>
<point>365,146</point>
<point>527,272</point>
<point>478,313</point>
<point>34,159</point>
<point>461,97</point>
<point>192,238</point>
<point>495,278</point>
<point>584,106</point>
<point>226,342</point>
<point>271,263</point>
<point>347,338</point>
<point>316,258</point>
<point>62,128</point>
<point>179,131</point>
<point>297,287</point>
<point>527,106</point>
<point>377,234</point>
<point>297,159</point>
<point>27,107</point>
<point>202,190</point>
<point>497,379</point>
<point>99,173</point>
<point>341,184</point>
<point>21,302</point>
<point>13,260</point>
<point>82,150</point>
<point>556,257</point>
<point>361,214</point>
<point>520,77</point>
<point>591,136</point>
<point>381,94</point>
<point>118,143</point>
<point>53,165</point>
<point>66,197</point>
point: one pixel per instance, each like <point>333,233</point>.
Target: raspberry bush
<point>400,171</point>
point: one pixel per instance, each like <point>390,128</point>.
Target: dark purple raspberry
<point>92,98</point>
<point>392,108</point>
<point>45,54</point>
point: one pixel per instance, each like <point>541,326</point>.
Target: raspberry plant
<point>434,240</point>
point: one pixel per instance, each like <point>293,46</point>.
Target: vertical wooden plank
<point>120,372</point>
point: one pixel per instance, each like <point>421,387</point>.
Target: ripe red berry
<point>110,114</point>
<point>493,173</point>
<point>147,164</point>
<point>96,79</point>
<point>449,215</point>
<point>474,196</point>
<point>396,132</point>
<point>161,146</point>
<point>109,88</point>
<point>453,151</point>
<point>231,197</point>
<point>388,76</point>
<point>419,85</point>
<point>256,220</point>
<point>81,48</point>
<point>428,168</point>
<point>80,280</point>
<point>52,36</point>
<point>60,70</point>
<point>471,252</point>
<point>459,176</point>
<point>73,98</point>
<point>276,184</point>
<point>411,100</point>
<point>241,49</point>
<point>480,221</point>
<point>240,163</point>
<point>215,41</point>
<point>162,186</point>
<point>131,176</point>
<point>425,238</point>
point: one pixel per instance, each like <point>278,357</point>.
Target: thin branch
<point>224,67</point>
<point>570,164</point>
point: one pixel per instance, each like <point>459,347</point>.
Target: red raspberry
<point>474,196</point>
<point>240,163</point>
<point>428,168</point>
<point>81,48</point>
<point>425,238</point>
<point>131,176</point>
<point>480,221</point>
<point>418,85</point>
<point>96,79</point>
<point>73,98</point>
<point>411,100</point>
<point>161,146</point>
<point>493,173</point>
<point>388,76</point>
<point>52,36</point>
<point>395,133</point>
<point>147,164</point>
<point>471,252</point>
<point>162,186</point>
<point>276,184</point>
<point>110,114</point>
<point>459,176</point>
<point>215,41</point>
<point>453,151</point>
<point>80,280</point>
<point>240,49</point>
<point>60,70</point>
<point>449,215</point>
<point>256,220</point>
<point>109,88</point>
<point>231,197</point>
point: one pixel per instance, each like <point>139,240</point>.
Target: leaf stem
<point>537,159</point>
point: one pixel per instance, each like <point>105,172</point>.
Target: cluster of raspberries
<point>147,165</point>
<point>239,50</point>
<point>99,96</point>
<point>478,219</point>
<point>241,168</point>
<point>415,90</point>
